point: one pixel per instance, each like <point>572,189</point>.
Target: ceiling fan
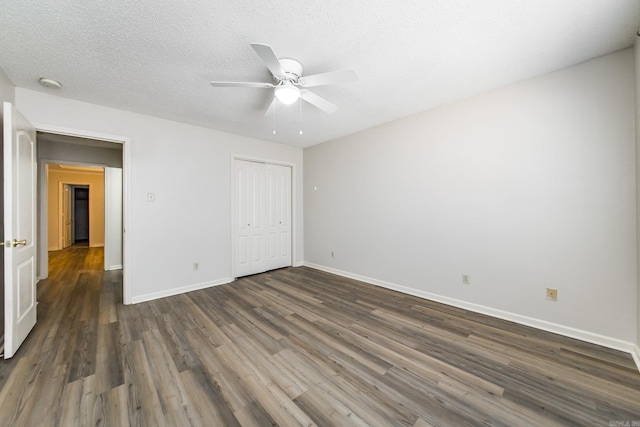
<point>289,83</point>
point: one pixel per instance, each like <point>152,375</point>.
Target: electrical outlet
<point>151,197</point>
<point>552,294</point>
<point>196,265</point>
<point>466,279</point>
<point>332,254</point>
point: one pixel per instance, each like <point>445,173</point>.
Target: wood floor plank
<point>82,361</point>
<point>295,346</point>
<point>254,415</point>
<point>326,410</point>
<point>115,403</point>
<point>78,403</point>
<point>109,364</point>
<point>164,374</point>
<point>270,396</point>
<point>182,355</point>
<point>278,374</point>
<point>206,399</point>
<point>220,373</point>
<point>107,312</point>
<point>267,337</point>
<point>143,402</point>
<point>43,406</point>
<point>335,343</point>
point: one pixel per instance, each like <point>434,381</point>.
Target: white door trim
<point>112,218</point>
<point>294,218</point>
<point>126,190</point>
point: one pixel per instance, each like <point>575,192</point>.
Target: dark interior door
<point>81,214</point>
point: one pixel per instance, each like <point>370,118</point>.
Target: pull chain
<point>300,114</point>
<point>274,116</point>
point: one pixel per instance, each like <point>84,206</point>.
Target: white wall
<point>7,89</point>
<point>526,187</point>
<point>188,169</point>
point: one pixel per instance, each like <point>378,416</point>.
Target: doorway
<point>78,167</point>
<point>80,204</point>
<point>75,206</point>
<point>73,215</point>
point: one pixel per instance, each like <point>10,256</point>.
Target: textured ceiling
<point>157,57</point>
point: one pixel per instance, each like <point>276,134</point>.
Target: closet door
<point>257,229</point>
<point>262,216</point>
<point>249,212</point>
<point>278,205</point>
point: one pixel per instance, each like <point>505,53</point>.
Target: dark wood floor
<point>295,347</point>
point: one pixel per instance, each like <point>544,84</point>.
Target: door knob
<point>18,243</point>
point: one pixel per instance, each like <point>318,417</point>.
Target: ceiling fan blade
<point>242,84</point>
<point>318,101</point>
<point>269,111</point>
<point>330,78</point>
<point>269,58</point>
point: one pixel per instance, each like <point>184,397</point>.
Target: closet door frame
<point>234,225</point>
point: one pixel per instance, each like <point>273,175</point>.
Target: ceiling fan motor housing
<point>292,68</point>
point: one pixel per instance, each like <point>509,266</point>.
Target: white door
<point>262,217</point>
<point>249,216</point>
<point>255,220</point>
<point>67,216</point>
<point>19,140</point>
<point>243,194</point>
<point>278,200</point>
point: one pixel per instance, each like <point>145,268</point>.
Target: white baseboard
<point>579,334</point>
<point>180,290</point>
<point>635,353</point>
<point>114,267</point>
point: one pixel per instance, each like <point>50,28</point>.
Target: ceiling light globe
<point>287,94</point>
<point>50,83</point>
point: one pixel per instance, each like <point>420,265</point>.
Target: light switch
<point>151,197</point>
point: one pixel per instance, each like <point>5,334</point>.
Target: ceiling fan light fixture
<point>287,93</point>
